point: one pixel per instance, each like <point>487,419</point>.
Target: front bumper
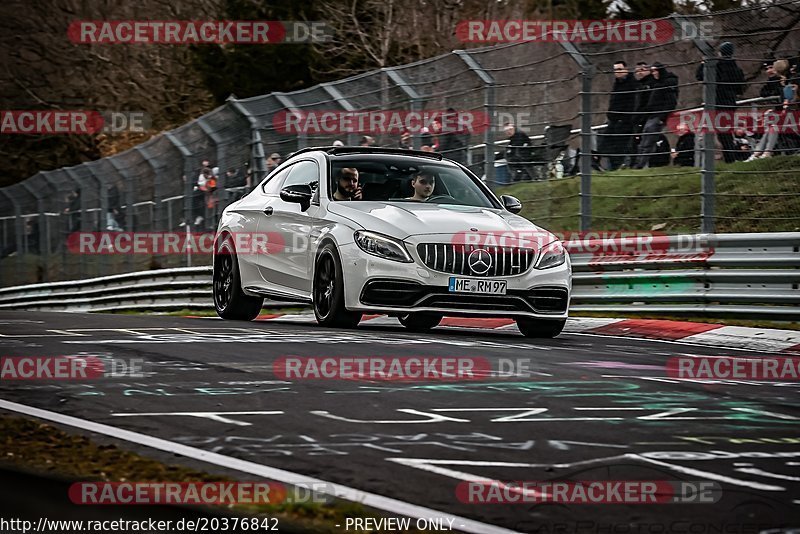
<point>375,285</point>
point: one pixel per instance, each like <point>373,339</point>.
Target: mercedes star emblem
<point>479,261</point>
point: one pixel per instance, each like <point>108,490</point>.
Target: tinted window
<point>389,180</point>
<point>273,186</point>
<point>305,172</point>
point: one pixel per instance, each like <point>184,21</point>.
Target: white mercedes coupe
<point>355,230</point>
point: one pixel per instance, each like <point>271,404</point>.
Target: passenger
<point>423,184</point>
<point>347,187</point>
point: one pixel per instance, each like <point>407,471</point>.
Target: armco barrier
<point>754,275</point>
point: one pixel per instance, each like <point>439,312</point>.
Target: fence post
<point>158,188</point>
<point>257,156</point>
<point>345,104</point>
<point>103,263</point>
<point>221,192</point>
<point>288,103</point>
<point>489,108</point>
<point>129,209</point>
<point>708,186</point>
<point>44,242</point>
<point>84,211</point>
<point>122,171</point>
<point>413,95</point>
<point>188,170</point>
<point>19,231</point>
<point>587,76</point>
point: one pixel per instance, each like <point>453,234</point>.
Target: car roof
<point>362,150</point>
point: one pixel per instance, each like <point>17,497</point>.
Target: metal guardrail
<point>755,275</point>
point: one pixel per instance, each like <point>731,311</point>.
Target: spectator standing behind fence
<point>516,153</point>
<point>453,141</point>
<point>644,81</point>
<point>72,210</point>
<point>273,161</point>
<point>405,141</point>
<point>621,112</point>
<point>662,100</point>
<point>729,83</point>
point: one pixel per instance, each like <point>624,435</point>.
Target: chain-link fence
<point>556,93</point>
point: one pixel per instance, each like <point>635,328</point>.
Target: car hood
<point>405,220</point>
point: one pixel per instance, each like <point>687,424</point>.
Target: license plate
<point>483,287</point>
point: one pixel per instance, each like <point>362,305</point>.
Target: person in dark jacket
<point>516,154</point>
<point>683,155</point>
<point>644,81</point>
<point>661,102</point>
<point>621,114</point>
<point>729,83</point>
<point>453,140</point>
<point>772,87</point>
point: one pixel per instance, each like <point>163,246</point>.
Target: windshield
<point>411,180</point>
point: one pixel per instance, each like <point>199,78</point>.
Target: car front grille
<point>454,259</point>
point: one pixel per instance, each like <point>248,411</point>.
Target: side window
<point>305,172</point>
<point>273,186</point>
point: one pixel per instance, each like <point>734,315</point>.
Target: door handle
<point>268,210</point>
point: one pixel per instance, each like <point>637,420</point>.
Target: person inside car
<point>423,184</point>
<point>347,187</point>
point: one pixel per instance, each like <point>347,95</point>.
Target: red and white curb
<point>714,335</point>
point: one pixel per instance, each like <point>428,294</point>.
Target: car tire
<point>420,322</point>
<point>229,299</point>
<point>328,291</point>
<point>540,328</point>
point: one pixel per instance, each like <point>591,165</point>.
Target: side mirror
<point>511,204</point>
<point>299,193</point>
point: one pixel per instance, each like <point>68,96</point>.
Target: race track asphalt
<point>589,408</point>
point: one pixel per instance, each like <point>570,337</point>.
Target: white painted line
<point>435,466</point>
<point>707,475</point>
<point>220,417</point>
<point>372,500</point>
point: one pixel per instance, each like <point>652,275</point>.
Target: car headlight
<point>382,246</point>
<point>552,255</point>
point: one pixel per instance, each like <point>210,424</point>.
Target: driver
<point>347,187</point>
<point>423,184</point>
